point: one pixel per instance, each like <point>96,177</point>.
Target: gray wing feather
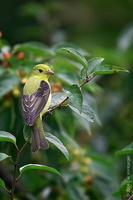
<point>33,104</point>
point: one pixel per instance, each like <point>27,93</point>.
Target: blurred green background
<point>104,29</point>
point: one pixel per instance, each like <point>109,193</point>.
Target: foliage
<point>68,92</point>
<point>97,27</point>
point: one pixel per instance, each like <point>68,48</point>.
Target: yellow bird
<point>36,100</point>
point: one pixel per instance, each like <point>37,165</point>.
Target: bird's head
<point>43,71</point>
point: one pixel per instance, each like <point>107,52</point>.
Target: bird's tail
<point>38,137</point>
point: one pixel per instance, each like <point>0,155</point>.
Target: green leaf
<point>76,192</point>
<point>2,183</point>
<point>7,83</point>
<point>38,167</point>
<point>127,150</point>
<point>83,75</point>
<point>67,76</point>
<point>92,64</point>
<point>101,159</point>
<point>122,190</point>
<point>75,97</point>
<point>7,137</point>
<point>72,53</point>
<point>64,63</point>
<point>27,132</point>
<point>3,156</point>
<point>94,88</point>
<point>103,171</point>
<point>69,45</point>
<point>2,70</point>
<point>90,102</point>
<point>36,48</point>
<point>3,43</point>
<point>31,9</point>
<point>107,69</point>
<point>54,140</point>
<point>58,118</point>
<point>57,98</point>
<point>87,113</point>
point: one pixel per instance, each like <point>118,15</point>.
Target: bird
<point>36,99</point>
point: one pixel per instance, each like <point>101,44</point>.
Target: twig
<point>23,147</point>
<point>15,170</point>
<point>57,106</point>
<point>88,78</point>
<point>4,188</point>
<point>130,197</point>
<point>16,147</point>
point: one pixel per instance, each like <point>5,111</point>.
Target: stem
<point>131,197</point>
<point>15,169</point>
<point>16,147</point>
<point>4,188</point>
<point>57,106</point>
<point>88,78</point>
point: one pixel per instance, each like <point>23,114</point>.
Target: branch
<point>88,78</point>
<point>16,147</point>
<point>131,197</point>
<point>7,177</point>
<point>57,106</point>
<point>4,188</point>
<point>15,169</point>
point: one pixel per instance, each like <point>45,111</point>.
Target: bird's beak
<point>50,72</point>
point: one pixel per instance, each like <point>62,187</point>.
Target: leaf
<point>92,63</point>
<point>90,101</point>
<point>83,75</point>
<point>106,188</point>
<point>7,83</point>
<point>54,140</point>
<point>2,70</point>
<point>27,132</point>
<point>127,150</point>
<point>101,159</point>
<point>76,192</point>
<point>69,45</point>
<point>2,183</point>
<point>63,132</point>
<point>87,113</point>
<point>36,48</point>
<point>64,63</point>
<point>38,167</point>
<point>75,97</point>
<point>72,53</point>
<point>107,69</point>
<point>57,98</point>
<point>3,156</point>
<point>94,88</point>
<point>128,182</point>
<point>103,171</point>
<point>31,9</point>
<point>67,76</point>
<point>7,137</point>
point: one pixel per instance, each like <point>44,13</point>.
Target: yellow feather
<point>39,73</point>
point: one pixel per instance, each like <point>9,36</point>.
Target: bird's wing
<point>33,104</point>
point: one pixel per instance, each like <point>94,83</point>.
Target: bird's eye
<point>40,70</point>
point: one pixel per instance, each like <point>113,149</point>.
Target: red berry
<point>20,55</point>
<point>0,34</point>
<point>5,64</point>
<point>58,85</point>
<point>6,55</point>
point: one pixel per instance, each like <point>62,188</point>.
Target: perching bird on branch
<point>36,100</point>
